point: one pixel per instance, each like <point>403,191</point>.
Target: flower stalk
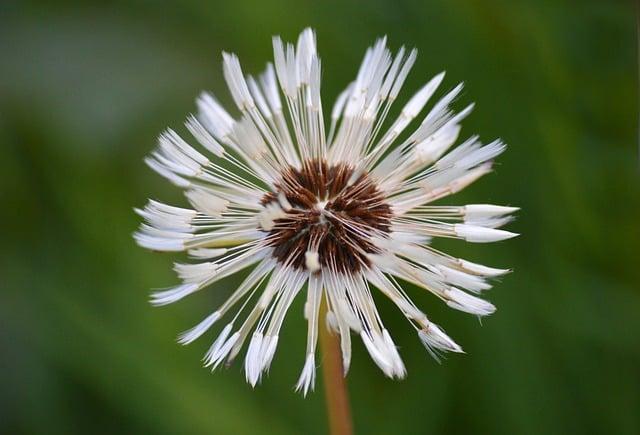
<point>335,385</point>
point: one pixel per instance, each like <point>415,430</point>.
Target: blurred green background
<point>86,87</point>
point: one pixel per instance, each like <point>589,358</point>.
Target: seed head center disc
<point>329,210</point>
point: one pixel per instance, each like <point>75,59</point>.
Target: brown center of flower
<point>331,211</point>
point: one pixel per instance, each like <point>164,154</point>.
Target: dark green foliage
<point>86,88</point>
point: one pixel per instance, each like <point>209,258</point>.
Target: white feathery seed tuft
<point>335,209</point>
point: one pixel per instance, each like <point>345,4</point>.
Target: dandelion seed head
<point>335,210</point>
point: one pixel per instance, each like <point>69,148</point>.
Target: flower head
<point>331,214</point>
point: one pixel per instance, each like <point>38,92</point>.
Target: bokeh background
<point>85,87</point>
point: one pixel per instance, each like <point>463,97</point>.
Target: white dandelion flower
<point>332,213</point>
